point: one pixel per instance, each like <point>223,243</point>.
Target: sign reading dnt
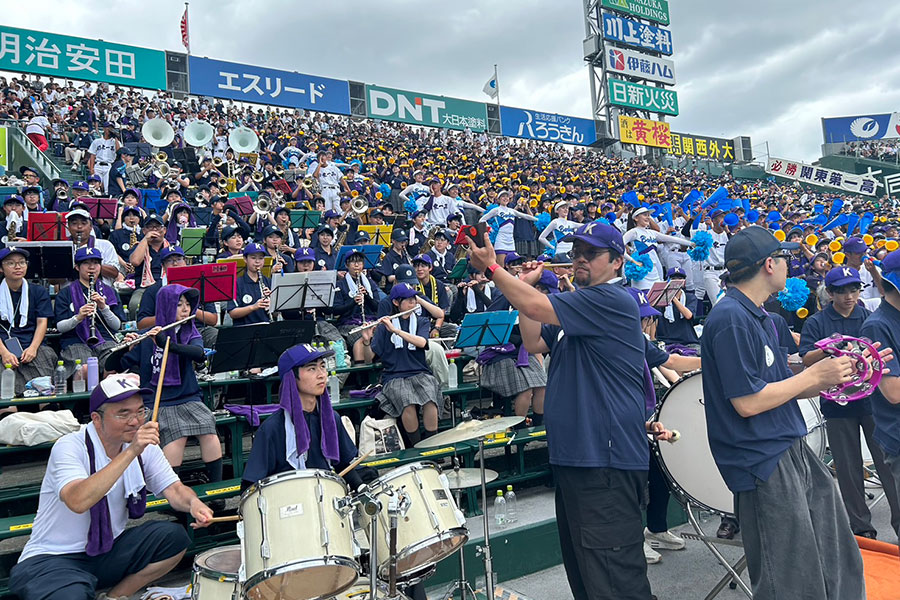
<point>643,66</point>
<point>262,85</point>
<point>839,130</point>
<point>548,127</point>
<point>80,58</point>
<point>423,109</point>
<point>700,146</point>
<point>857,184</point>
<point>644,132</point>
<point>636,34</point>
<point>652,10</point>
<point>644,97</point>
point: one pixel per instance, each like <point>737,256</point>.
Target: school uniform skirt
<point>188,419</point>
<point>503,377</point>
<point>42,366</point>
<point>416,390</point>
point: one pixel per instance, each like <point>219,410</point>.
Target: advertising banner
<point>644,132</point>
<point>637,34</point>
<point>860,128</point>
<point>424,109</point>
<point>701,146</point>
<point>848,182</point>
<point>652,10</point>
<point>644,97</point>
<point>262,85</point>
<point>4,151</point>
<point>547,127</point>
<point>644,66</point>
<point>24,50</point>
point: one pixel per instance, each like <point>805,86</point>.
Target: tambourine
<point>868,370</point>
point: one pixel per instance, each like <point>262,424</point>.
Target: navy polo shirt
<point>325,261</point>
<point>884,326</point>
<point>140,358</point>
<point>39,307</point>
<point>741,355</point>
<point>64,309</point>
<point>401,362</point>
<point>148,304</point>
<point>821,325</point>
<point>595,415</point>
<point>653,354</point>
<point>247,293</point>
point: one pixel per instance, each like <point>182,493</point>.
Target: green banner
<point>653,10</point>
<point>423,109</point>
<point>4,151</point>
<point>81,58</point>
<point>644,97</point>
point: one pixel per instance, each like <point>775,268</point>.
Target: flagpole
<point>187,21</point>
<point>497,82</point>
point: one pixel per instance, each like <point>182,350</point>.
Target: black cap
<point>751,245</point>
<point>398,235</point>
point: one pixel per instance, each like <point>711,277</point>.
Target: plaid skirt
<point>350,338</point>
<point>82,352</point>
<point>189,419</point>
<point>42,366</point>
<point>503,377</point>
<point>529,248</point>
<point>418,390</point>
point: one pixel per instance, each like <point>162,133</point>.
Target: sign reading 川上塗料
<point>634,33</point>
<point>644,132</point>
<point>424,109</point>
<point>652,10</point>
<point>64,56</point>
<point>548,127</point>
<point>644,97</point>
<point>262,85</point>
<point>644,66</point>
<point>849,182</point>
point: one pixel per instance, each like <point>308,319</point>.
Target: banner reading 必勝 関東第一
<point>64,56</point>
<point>652,10</point>
<point>424,109</point>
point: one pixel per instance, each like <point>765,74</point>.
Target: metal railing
<point>36,158</point>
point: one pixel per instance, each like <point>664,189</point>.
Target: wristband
<point>489,272</point>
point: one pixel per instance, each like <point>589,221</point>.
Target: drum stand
<point>398,505</point>
<point>461,584</point>
<point>733,578</point>
<point>486,549</point>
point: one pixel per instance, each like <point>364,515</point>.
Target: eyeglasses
<point>784,255</point>
<point>140,415</point>
<point>15,264</point>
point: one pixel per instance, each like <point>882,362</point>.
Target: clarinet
<point>264,293</point>
<point>92,339</point>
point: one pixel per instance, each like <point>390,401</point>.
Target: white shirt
<point>717,252</point>
<point>38,124</point>
<point>290,438</point>
<point>869,289</point>
<point>104,150</point>
<point>329,175</point>
<point>564,227</point>
<point>58,530</point>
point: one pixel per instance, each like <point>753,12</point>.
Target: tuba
<point>243,140</point>
<point>158,132</point>
<point>198,133</point>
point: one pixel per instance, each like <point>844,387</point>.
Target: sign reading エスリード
<point>24,50</point>
<point>424,109</point>
<point>652,10</point>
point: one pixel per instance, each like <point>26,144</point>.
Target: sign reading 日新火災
<point>644,97</point>
<point>652,10</point>
<point>634,33</point>
<point>424,109</point>
<point>548,127</point>
<point>262,85</point>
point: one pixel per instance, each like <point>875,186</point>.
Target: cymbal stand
<point>372,507</point>
<point>461,584</point>
<point>485,550</point>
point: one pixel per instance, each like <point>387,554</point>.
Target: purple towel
<point>252,412</point>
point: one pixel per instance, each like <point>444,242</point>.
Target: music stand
<point>301,291</point>
<point>49,260</point>
<point>305,219</point>
<point>371,254</point>
<point>242,204</point>
<point>203,215</point>
<point>101,208</point>
<point>663,292</point>
<point>46,227</point>
<point>192,240</point>
<point>486,329</point>
<point>282,186</point>
<point>242,264</point>
<point>250,346</point>
<point>379,234</point>
<point>216,282</point>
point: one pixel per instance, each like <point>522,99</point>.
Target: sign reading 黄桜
<point>644,97</point>
<point>643,66</point>
<point>849,182</point>
<point>24,50</point>
<point>424,109</point>
<point>701,146</point>
<point>547,127</point>
<point>644,132</point>
<point>634,33</point>
<point>262,85</point>
<point>652,10</point>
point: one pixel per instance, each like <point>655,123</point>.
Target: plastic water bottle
<point>340,354</point>
<point>511,515</point>
<point>330,361</point>
<point>8,383</point>
<point>60,380</point>
<point>78,382</point>
<point>453,376</point>
<point>334,387</point>
<point>93,373</point>
<point>500,519</point>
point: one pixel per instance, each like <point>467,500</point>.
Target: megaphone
<point>198,133</point>
<point>158,132</point>
<point>243,140</point>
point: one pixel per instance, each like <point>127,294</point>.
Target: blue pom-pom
<point>635,272</point>
<point>542,221</point>
<point>410,206</point>
<point>703,242</point>
<point>794,295</point>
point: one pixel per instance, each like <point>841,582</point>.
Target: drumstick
<point>162,376</point>
<point>676,435</point>
<point>352,465</point>
<point>225,519</point>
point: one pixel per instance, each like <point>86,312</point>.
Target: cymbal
<point>466,478</point>
<point>470,430</point>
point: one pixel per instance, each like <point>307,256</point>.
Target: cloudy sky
<point>769,69</point>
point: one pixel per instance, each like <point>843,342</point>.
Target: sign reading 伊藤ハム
<point>652,10</point>
<point>644,66</point>
<point>644,97</point>
<point>424,109</point>
<point>548,127</point>
<point>24,50</point>
<point>639,35</point>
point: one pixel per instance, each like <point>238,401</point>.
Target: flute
<point>144,336</point>
<point>375,323</point>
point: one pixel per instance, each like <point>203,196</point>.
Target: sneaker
<point>651,555</point>
<point>663,541</point>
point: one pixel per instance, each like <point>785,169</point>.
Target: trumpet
<point>257,176</point>
<point>263,206</point>
<point>161,157</point>
<point>365,326</point>
<point>279,170</point>
<point>218,162</point>
<point>222,182</point>
<point>311,185</point>
<point>62,195</point>
<point>144,336</point>
<point>92,339</point>
<point>279,197</point>
<point>171,184</point>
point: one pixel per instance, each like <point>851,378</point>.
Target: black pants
<point>657,498</point>
<point>598,512</point>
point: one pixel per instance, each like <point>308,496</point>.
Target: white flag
<point>490,88</point>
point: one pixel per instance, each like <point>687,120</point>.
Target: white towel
<point>396,339</point>
<point>7,310</point>
<point>353,287</point>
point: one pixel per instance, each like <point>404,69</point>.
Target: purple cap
<point>253,249</point>
<point>550,281</point>
<point>422,258</point>
<point>855,245</point>
<point>716,212</point>
<point>640,296</point>
<point>80,185</point>
<point>13,250</point>
<point>402,290</point>
<point>115,388</point>
<point>675,272</point>
<point>86,253</point>
<point>170,251</point>
<point>512,256</point>
<point>304,254</point>
<point>840,276</point>
<point>890,269</point>
<point>297,356</point>
<point>599,235</point>
<point>331,214</point>
<point>95,178</point>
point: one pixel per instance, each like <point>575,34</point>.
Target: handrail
<point>38,158</point>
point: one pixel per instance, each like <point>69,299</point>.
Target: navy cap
<point>716,212</point>
<point>752,245</point>
<point>131,209</point>
<point>27,169</point>
<point>13,250</point>
<point>398,235</point>
<point>363,235</point>
<point>272,230</point>
<point>32,189</point>
<point>116,388</point>
<point>447,234</point>
<point>305,254</point>
<point>153,217</point>
<point>126,150</point>
<point>254,248</point>
<point>134,192</point>
<point>890,269</point>
<point>297,356</point>
<point>454,217</point>
<point>855,245</point>
<point>675,272</point>
<point>405,274</point>
<point>170,251</point>
<point>423,258</point>
<point>640,296</point>
<point>170,191</point>
<point>229,231</point>
<point>840,276</point>
<point>56,182</point>
<point>402,290</point>
<point>599,235</point>
<point>86,253</point>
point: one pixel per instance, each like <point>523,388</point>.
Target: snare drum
<point>433,526</point>
<point>296,543</point>
<point>689,463</point>
<point>215,575</point>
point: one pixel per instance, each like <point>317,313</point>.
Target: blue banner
<point>636,34</point>
<point>260,85</point>
<point>547,127</point>
<point>860,128</point>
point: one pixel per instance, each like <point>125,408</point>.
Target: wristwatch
<point>489,272</point>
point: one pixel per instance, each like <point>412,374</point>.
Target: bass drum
<point>689,464</point>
